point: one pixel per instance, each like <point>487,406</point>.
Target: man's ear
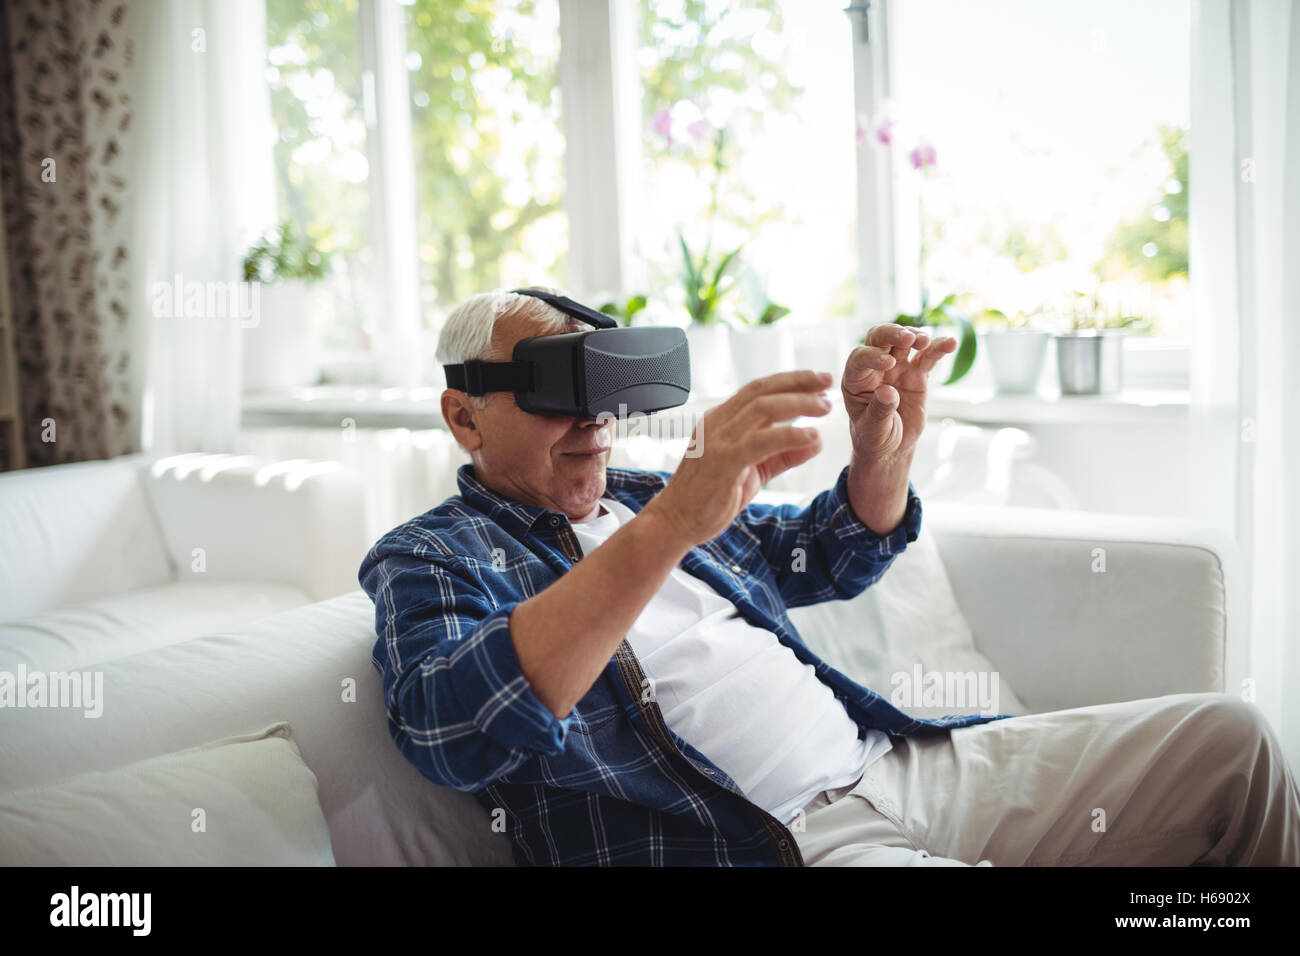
<point>460,416</point>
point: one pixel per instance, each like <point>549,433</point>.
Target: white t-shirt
<point>737,694</point>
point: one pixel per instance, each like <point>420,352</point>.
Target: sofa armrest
<point>237,518</point>
<point>1078,609</point>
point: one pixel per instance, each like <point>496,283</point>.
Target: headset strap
<point>479,378</point>
<point>576,309</point>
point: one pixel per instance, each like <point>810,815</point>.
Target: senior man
<point>603,655</point>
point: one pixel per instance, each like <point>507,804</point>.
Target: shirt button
<point>555,521</point>
<point>737,569</point>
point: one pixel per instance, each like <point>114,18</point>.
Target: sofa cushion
<point>70,533</point>
<point>234,518</point>
<point>122,624</point>
<point>247,800</point>
<point>905,637</point>
<point>310,667</point>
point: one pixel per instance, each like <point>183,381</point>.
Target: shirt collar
<point>629,486</point>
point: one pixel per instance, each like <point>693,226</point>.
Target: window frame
<point>599,85</point>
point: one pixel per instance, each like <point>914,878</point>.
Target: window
<point>488,147</point>
<point>1059,136</point>
<point>314,72</point>
<point>421,143</point>
<point>748,145</point>
<point>475,144</point>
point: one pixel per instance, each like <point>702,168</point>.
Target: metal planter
<point>1090,362</point>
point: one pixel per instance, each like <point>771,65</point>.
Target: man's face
<point>554,461</point>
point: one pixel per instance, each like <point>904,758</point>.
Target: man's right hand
<point>736,449</point>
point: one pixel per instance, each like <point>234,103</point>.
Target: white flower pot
<point>1016,358</point>
<point>824,345</point>
<point>712,373</point>
<point>280,350</point>
<point>759,350</point>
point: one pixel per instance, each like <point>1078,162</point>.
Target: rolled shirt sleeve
<point>824,551</point>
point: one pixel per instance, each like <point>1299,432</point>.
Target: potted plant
<point>627,310</point>
<point>706,283</point>
<point>923,158</point>
<point>761,343</point>
<point>936,320</point>
<point>1090,356</point>
<point>280,350</point>
<point>1016,351</point>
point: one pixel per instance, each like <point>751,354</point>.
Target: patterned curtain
<point>65,111</point>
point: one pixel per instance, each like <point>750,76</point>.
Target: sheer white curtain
<point>1245,267</point>
<point>204,189</point>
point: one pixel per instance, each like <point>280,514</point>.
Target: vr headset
<point>610,370</point>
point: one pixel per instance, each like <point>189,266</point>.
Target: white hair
<point>467,333</point>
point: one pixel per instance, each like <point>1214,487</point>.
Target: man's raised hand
<point>884,389</point>
<point>738,447</point>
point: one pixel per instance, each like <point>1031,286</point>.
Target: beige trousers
<point>1169,781</point>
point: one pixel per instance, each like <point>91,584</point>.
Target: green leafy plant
<point>285,253</point>
<point>995,320</point>
<point>1086,314</point>
<point>627,310</point>
<point>771,313</point>
<point>757,307</point>
<point>708,279</point>
<point>943,313</point>
<point>705,283</point>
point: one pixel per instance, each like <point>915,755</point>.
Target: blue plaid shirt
<point>610,784</point>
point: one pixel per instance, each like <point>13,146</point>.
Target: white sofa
<point>107,558</point>
<point>1063,634</point>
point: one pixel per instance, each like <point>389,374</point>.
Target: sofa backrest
<point>310,667</point>
<point>72,533</point>
<point>239,518</point>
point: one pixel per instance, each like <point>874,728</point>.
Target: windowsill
<point>373,406</point>
<point>336,406</point>
<point>1128,407</point>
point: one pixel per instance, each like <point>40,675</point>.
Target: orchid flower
<point>922,156</point>
<point>662,123</point>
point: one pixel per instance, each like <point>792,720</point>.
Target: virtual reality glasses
<point>611,370</point>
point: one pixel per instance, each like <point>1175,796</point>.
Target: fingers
<point>898,341</point>
<point>928,358</point>
<point>801,386</point>
<point>904,346</point>
<point>883,404</point>
<point>889,335</point>
<point>800,380</point>
<point>880,426</point>
<point>866,368</point>
<point>775,441</point>
<point>783,462</point>
<point>784,407</point>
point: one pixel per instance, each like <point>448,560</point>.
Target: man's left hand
<point>884,388</point>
